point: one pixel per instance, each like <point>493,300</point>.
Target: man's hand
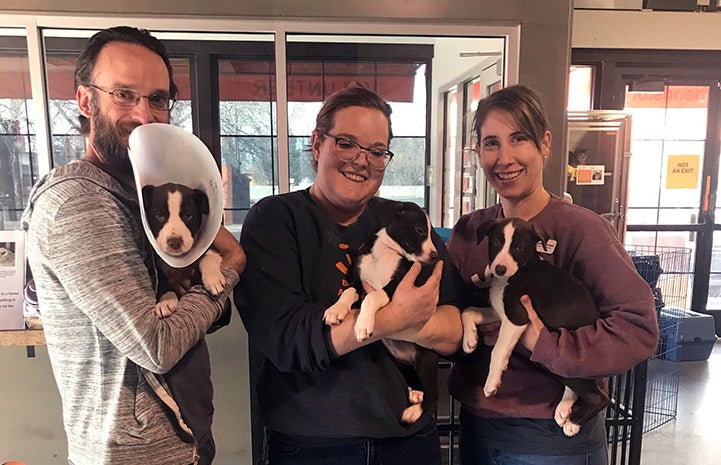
<point>229,248</point>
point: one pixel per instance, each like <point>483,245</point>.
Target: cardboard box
<point>685,335</point>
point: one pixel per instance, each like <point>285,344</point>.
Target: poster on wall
<point>590,174</point>
<point>682,171</point>
<point>12,279</point>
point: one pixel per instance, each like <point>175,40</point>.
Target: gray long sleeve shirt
<point>93,269</point>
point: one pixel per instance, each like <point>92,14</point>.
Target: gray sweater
<point>94,273</point>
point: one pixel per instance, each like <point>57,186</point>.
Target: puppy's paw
<point>491,387</point>
<point>363,332</point>
<point>470,342</point>
<point>563,412</point>
<point>166,305</point>
<point>210,274</point>
<point>571,429</point>
<point>411,414</point>
<point>364,325</point>
<point>214,282</point>
<point>335,314</point>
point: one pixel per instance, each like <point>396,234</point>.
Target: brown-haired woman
<point>516,425</point>
<point>323,396</point>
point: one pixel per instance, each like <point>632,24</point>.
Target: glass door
<point>465,188</point>
<point>673,173</point>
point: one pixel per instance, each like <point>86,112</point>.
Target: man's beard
<point>110,140</point>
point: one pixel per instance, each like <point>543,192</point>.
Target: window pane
<point>301,163</point>
<point>401,82</point>
<point>580,83</point>
<point>644,173</point>
<point>669,131</point>
<point>405,176</point>
<point>249,173</point>
<point>248,134</point>
<point>18,159</point>
<point>671,194</point>
<point>714,282</point>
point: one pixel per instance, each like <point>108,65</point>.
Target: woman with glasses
<point>323,396</point>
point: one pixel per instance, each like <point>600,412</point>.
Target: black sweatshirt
<point>298,262</point>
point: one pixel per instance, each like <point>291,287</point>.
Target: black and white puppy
<point>7,256</point>
<point>404,238</point>
<point>559,299</point>
<point>175,213</point>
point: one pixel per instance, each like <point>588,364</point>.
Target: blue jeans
<point>422,448</point>
<point>474,452</point>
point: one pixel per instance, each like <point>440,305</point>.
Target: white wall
<point>646,29</point>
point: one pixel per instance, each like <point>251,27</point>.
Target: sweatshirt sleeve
<point>626,333</point>
<point>93,252</point>
<point>278,311</point>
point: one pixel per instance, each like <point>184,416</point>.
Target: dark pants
<point>474,452</point>
<point>206,451</point>
<point>422,448</point>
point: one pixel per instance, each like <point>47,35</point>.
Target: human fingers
<point>410,277</point>
<point>530,336</point>
<point>435,278</point>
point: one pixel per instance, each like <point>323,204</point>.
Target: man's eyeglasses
<point>349,151</point>
<point>128,98</point>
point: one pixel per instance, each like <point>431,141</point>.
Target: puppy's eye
<point>159,216</point>
<point>519,247</point>
<point>420,231</point>
<point>186,216</point>
<point>496,241</point>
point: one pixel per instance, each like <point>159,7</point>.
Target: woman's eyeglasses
<point>128,98</point>
<point>349,151</point>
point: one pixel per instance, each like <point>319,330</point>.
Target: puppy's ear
<point>541,234</point>
<point>147,195</point>
<point>201,200</point>
<point>483,229</point>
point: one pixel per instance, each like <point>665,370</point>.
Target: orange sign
<point>671,97</point>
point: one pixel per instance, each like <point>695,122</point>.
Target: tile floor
<point>692,438</point>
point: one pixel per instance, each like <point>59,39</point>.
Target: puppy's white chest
<point>378,270</point>
<point>495,295</point>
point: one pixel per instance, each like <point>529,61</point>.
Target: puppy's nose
<point>175,243</point>
<point>500,270</point>
<point>433,257</point>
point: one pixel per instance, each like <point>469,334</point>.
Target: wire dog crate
<point>667,271</point>
<point>646,397</point>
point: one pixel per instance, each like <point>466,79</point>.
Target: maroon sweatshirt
<point>625,335</point>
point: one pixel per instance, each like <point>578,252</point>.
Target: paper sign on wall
<point>12,279</point>
<point>682,172</point>
<point>590,174</point>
